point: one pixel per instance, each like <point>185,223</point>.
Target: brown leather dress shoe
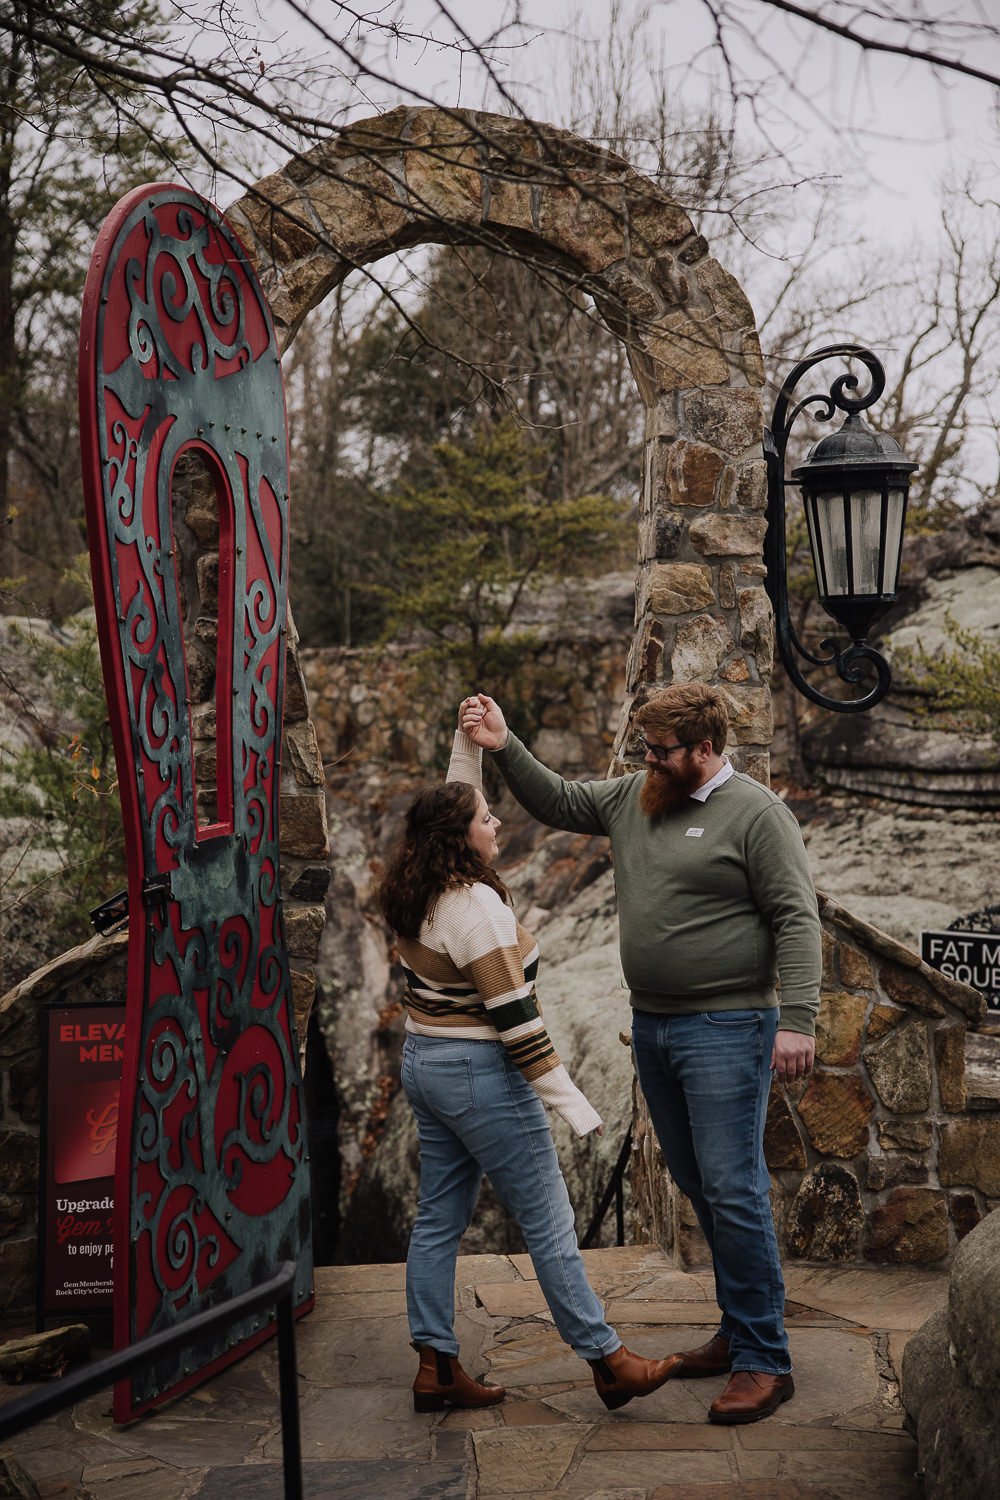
<point>713,1358</point>
<point>621,1375</point>
<point>749,1396</point>
<point>442,1382</point>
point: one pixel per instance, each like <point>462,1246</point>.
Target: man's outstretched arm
<point>574,805</point>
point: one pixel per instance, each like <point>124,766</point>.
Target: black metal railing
<point>616,1190</point>
<point>23,1412</point>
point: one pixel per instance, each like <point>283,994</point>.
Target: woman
<point>477,1067</point>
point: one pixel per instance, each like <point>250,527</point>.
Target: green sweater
<point>707,920</point>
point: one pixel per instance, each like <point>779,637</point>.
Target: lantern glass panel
<point>848,545</point>
<point>894,538</point>
<point>866,541</point>
<point>828,538</point>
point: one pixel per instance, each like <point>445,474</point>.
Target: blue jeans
<point>706,1079</point>
<point>475,1113</point>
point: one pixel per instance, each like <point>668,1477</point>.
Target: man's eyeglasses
<point>660,752</point>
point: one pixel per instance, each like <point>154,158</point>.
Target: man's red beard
<point>664,792</point>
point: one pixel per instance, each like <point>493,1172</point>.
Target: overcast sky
<point>888,131</point>
<point>885,126</point>
<point>855,115</point>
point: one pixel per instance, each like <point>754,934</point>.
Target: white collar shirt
<point>702,793</point>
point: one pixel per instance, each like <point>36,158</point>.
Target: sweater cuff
<point>798,1015</point>
<point>466,762</point>
<point>558,1090</point>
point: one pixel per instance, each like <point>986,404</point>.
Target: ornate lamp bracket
<point>858,660</point>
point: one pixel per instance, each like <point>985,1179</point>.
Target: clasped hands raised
<point>480,717</point>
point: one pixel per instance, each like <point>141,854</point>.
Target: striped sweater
<point>471,975</point>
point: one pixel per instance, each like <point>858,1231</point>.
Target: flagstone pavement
<point>840,1438</point>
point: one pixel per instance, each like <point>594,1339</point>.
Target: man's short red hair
<point>688,712</point>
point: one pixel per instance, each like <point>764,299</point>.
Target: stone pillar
<point>701,610</point>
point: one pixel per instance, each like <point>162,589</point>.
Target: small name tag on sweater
<point>694,833</point>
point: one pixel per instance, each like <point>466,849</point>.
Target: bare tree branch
<point>932,55</point>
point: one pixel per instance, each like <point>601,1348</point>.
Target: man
<point>715,901</point>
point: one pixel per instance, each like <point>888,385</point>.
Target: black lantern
<point>854,488</point>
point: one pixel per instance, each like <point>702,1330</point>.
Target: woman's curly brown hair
<point>431,856</point>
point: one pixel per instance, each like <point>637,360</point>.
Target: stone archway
<point>422,176</point>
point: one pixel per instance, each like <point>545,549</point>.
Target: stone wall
<point>376,712</point>
<point>890,1151</point>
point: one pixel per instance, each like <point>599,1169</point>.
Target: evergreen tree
<point>62,848</point>
<point>957,685</point>
<point>492,347</point>
<point>468,545</point>
<point>69,148</point>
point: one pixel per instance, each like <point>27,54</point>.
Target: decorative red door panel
<point>177,358</point>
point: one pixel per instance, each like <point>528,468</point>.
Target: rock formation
<point>892,752</point>
<point>951,1375</point>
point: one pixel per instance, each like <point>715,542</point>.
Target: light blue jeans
<point>706,1079</point>
<point>476,1114</point>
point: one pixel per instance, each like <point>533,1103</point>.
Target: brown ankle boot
<point>442,1382</point>
<point>713,1358</point>
<point>622,1375</point>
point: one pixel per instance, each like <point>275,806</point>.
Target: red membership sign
<point>84,1049</point>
